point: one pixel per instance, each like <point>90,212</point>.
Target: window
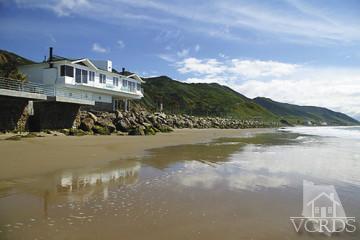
<point>116,81</point>
<point>102,78</point>
<point>78,75</point>
<point>125,83</point>
<point>138,86</point>
<point>66,71</point>
<point>84,76</point>
<point>131,86</point>
<point>91,76</point>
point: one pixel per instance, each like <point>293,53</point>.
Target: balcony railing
<point>24,86</point>
<point>111,87</point>
<point>38,88</point>
<point>51,90</point>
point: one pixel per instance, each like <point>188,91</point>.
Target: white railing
<point>52,91</point>
<point>47,90</point>
<point>24,86</point>
<point>65,92</point>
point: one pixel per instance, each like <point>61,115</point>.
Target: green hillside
<point>200,99</point>
<point>301,114</point>
<point>9,61</point>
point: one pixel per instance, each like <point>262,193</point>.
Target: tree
<point>16,75</point>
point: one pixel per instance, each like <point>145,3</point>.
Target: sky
<point>295,51</point>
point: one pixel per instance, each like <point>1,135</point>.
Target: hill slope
<point>200,99</point>
<point>300,114</point>
<point>9,61</point>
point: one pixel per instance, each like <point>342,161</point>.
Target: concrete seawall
<point>22,114</point>
<point>13,113</point>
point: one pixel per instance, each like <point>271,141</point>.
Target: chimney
<point>51,57</point>
<point>123,71</point>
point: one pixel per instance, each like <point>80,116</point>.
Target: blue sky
<point>303,52</point>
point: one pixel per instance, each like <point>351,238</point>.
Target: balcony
<point>111,87</point>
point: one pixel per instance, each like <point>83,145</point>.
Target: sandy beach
<point>41,155</point>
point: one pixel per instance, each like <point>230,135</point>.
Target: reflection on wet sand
<point>80,182</point>
<point>216,152</point>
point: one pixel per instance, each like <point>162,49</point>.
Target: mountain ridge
<point>308,114</point>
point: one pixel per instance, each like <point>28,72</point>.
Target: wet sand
<point>34,156</point>
<point>229,188</point>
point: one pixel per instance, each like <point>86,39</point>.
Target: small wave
<point>339,132</point>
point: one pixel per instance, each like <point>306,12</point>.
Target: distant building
<point>86,79</point>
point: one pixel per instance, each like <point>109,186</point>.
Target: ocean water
<point>231,188</point>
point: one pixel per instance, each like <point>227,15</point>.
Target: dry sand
<point>34,156</point>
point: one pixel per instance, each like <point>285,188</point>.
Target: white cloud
<point>65,7</point>
<point>183,53</point>
<point>60,7</point>
<point>289,20</point>
<point>96,47</point>
<point>120,44</point>
<point>235,67</point>
<point>198,66</point>
<point>334,88</point>
<point>256,68</point>
<point>167,57</point>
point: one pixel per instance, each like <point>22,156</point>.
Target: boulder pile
<point>142,122</point>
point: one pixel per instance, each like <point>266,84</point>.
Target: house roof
<point>87,62</point>
<point>323,194</point>
<point>90,64</point>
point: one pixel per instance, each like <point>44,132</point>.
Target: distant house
<point>86,79</point>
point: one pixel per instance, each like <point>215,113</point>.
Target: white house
<point>85,79</point>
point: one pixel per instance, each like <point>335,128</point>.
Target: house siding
<point>91,90</point>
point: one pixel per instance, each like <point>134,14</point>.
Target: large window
<point>91,76</point>
<point>131,86</point>
<point>78,75</point>
<point>116,81</point>
<point>102,78</point>
<point>66,71</point>
<point>125,83</point>
<point>84,76</point>
<point>138,86</point>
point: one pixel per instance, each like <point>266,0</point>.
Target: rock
<point>101,130</point>
<point>76,132</point>
<point>165,128</point>
<point>65,131</point>
<point>139,130</point>
<point>119,133</point>
<point>106,123</point>
<point>121,125</point>
<point>14,138</point>
<point>87,124</point>
<point>149,130</point>
<point>91,115</point>
<point>119,115</point>
<point>142,122</point>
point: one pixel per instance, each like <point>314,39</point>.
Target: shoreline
<point>41,155</point>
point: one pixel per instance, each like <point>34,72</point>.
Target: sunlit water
<point>234,188</point>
